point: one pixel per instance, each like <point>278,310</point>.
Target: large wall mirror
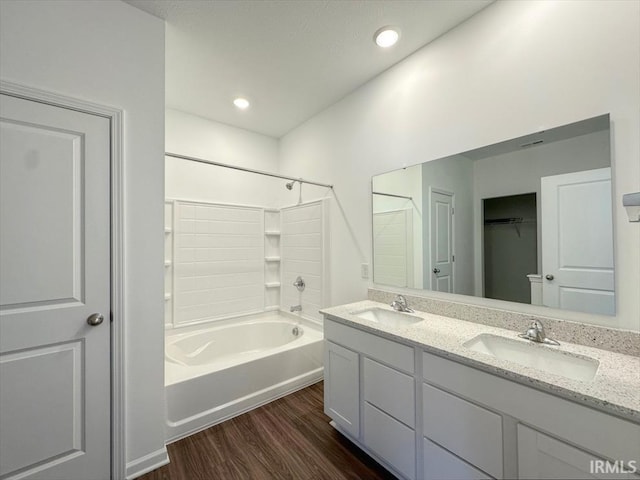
<point>527,220</point>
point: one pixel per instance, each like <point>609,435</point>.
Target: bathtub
<point>218,371</point>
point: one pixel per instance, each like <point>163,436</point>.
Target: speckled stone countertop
<point>615,389</point>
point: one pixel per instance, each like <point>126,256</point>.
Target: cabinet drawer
<point>386,351</point>
<point>392,441</point>
<point>469,431</point>
<point>442,465</point>
<point>543,457</point>
<point>390,390</point>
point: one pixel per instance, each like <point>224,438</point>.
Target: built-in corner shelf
<point>272,258</point>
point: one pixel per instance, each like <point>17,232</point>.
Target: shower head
<point>290,185</point>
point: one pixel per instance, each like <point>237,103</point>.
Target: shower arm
<point>243,169</point>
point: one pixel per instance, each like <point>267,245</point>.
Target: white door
<point>577,242</point>
<point>441,241</point>
<point>54,274</point>
<point>393,248</point>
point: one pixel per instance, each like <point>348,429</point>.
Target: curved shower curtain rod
<point>250,170</point>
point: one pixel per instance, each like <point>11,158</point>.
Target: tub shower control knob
<point>95,319</point>
<point>299,284</point>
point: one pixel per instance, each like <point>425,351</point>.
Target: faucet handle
<point>536,333</point>
<point>400,304</point>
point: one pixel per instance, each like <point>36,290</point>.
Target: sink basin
<point>531,355</point>
<point>388,318</point>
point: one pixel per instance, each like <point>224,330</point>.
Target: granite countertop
<point>615,389</point>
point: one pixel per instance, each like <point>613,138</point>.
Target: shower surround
<point>231,343</point>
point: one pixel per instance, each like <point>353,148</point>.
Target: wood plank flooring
<point>287,439</point>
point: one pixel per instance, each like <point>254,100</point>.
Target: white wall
<point>111,53</point>
<point>195,136</point>
<point>512,69</point>
<point>520,172</point>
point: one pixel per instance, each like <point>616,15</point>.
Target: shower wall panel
<point>304,247</point>
<point>218,261</point>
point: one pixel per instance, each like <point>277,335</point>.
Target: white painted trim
<point>116,120</point>
<point>145,464</point>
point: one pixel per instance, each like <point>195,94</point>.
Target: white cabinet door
<point>342,387</point>
<point>544,457</point>
<point>577,242</point>
<point>54,274</point>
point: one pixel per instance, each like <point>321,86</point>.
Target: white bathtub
<point>213,373</point>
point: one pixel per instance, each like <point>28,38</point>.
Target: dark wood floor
<point>287,439</point>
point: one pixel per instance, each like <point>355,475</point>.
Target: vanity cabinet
<point>377,410</point>
<point>426,417</point>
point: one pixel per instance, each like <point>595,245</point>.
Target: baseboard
<point>145,464</point>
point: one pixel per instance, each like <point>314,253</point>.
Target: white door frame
<point>115,117</point>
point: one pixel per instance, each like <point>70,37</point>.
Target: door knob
<point>436,270</point>
<point>549,277</point>
<point>95,319</point>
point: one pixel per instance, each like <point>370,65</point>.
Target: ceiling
<point>290,58</point>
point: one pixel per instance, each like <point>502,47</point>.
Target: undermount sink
<point>388,318</point>
<point>535,356</point>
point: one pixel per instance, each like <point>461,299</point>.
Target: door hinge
<point>453,211</point>
<point>453,258</point>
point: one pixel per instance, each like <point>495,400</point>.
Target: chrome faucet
<point>536,333</point>
<point>295,308</point>
<point>400,304</point>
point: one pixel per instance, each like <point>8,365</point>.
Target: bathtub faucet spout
<point>295,308</point>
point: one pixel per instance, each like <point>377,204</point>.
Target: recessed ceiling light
<point>386,37</point>
<point>241,103</point>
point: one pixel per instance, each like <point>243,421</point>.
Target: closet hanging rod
<point>243,169</point>
<point>392,195</point>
